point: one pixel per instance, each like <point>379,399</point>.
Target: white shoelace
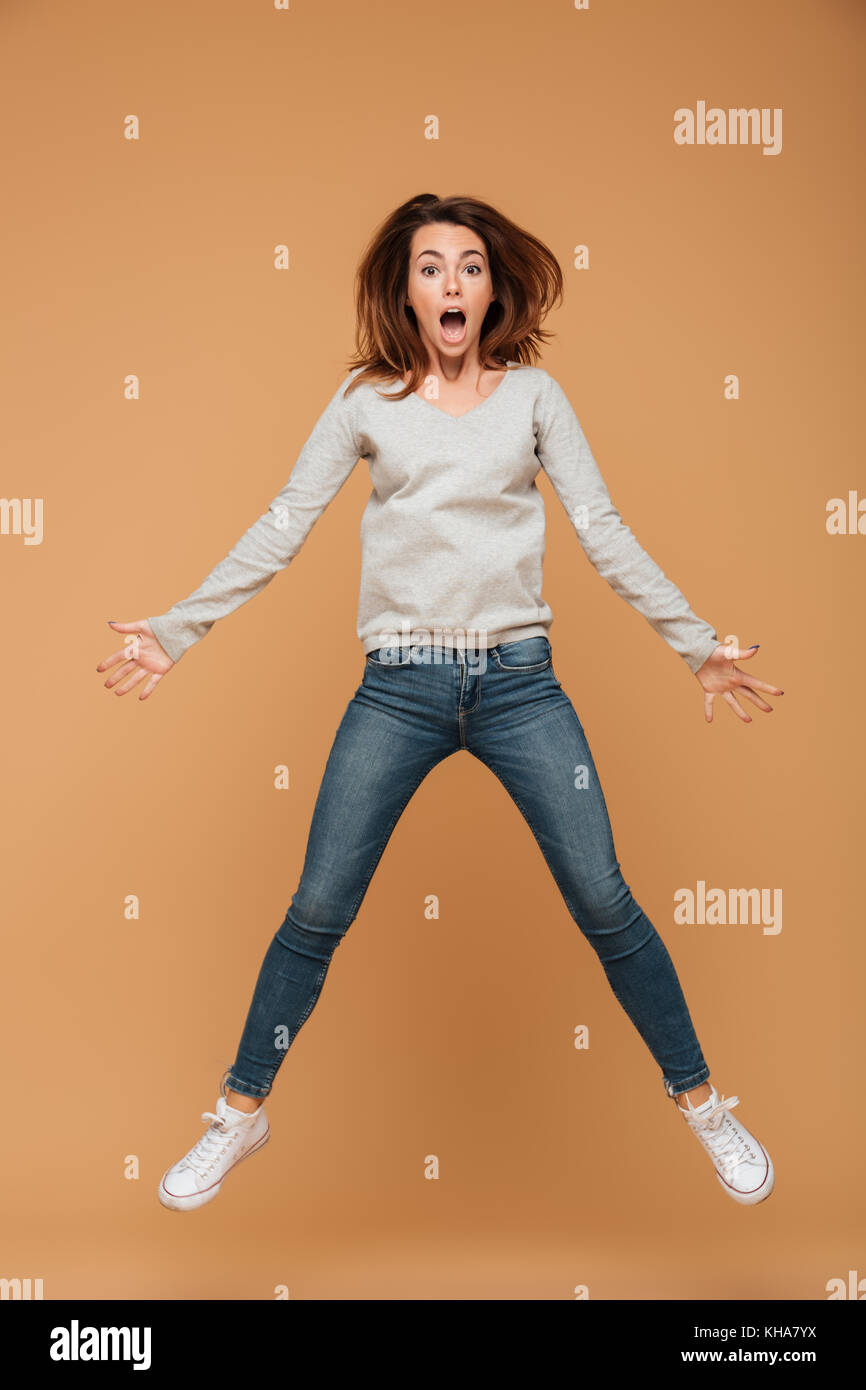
<point>212,1144</point>
<point>727,1146</point>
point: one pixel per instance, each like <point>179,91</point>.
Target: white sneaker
<point>743,1166</point>
<point>198,1176</point>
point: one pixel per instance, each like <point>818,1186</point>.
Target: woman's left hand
<point>719,676</point>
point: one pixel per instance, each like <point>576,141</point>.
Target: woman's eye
<point>472,266</point>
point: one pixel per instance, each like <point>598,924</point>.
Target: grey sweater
<point>453,533</point>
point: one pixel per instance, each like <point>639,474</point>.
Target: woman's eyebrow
<point>441,257</point>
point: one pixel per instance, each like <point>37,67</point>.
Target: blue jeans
<point>414,707</point>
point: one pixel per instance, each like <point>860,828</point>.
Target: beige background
<point>155,257</point>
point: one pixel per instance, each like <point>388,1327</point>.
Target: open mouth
<point>453,323</point>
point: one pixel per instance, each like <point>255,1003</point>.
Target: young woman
<point>454,421</point>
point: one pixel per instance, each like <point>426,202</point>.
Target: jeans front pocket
<point>527,654</point>
<point>390,656</point>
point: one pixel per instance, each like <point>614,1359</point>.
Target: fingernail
<point>754,647</point>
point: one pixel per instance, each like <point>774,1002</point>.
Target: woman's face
<point>448,268</point>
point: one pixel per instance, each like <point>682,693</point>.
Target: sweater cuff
<point>696,658</point>
<point>173,643</point>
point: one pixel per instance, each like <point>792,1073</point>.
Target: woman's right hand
<point>137,659</point>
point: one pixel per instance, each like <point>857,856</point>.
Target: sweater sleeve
<point>609,544</point>
<point>323,465</point>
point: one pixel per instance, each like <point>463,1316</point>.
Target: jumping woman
<point>444,403</point>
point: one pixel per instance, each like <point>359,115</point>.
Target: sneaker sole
<point>200,1199</point>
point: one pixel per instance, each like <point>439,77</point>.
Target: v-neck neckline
<point>472,409</point>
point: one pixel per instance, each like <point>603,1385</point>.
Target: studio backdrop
<point>468,1112</point>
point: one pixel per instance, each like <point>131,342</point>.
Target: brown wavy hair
<point>526,276</point>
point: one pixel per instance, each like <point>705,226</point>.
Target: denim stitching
<point>536,666</point>
<point>385,664</point>
<point>313,1000</point>
<point>461,713</point>
<point>496,653</point>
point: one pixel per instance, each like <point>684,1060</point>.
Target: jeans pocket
<point>389,656</point>
<point>527,654</point>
